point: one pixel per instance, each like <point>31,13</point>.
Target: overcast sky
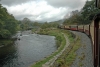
<point>42,10</point>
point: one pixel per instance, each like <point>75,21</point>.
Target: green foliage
<point>1,24</point>
<point>75,19</point>
<point>4,33</point>
<point>8,24</point>
<point>72,55</point>
<point>25,24</point>
<point>11,25</point>
<point>69,55</point>
<point>52,32</point>
<point>85,16</point>
<point>6,42</point>
<point>89,10</point>
<point>49,25</point>
<point>55,33</point>
<point>59,40</point>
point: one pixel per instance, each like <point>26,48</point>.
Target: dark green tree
<point>8,24</point>
<point>89,10</point>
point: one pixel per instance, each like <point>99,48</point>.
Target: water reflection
<point>7,54</point>
<point>27,50</point>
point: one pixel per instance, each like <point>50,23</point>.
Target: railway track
<point>84,56</point>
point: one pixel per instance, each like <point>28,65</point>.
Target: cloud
<point>42,10</point>
<point>66,3</point>
<point>13,2</point>
<point>37,11</point>
<point>53,15</point>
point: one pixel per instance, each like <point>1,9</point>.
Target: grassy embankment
<point>6,42</point>
<point>60,42</point>
<point>69,55</point>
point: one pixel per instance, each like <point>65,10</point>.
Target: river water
<point>26,51</point>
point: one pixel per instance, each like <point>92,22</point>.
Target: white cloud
<point>36,11</point>
<point>66,3</point>
<point>43,10</point>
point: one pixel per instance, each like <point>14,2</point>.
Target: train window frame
<point>98,4</point>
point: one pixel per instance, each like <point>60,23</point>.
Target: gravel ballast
<point>84,53</point>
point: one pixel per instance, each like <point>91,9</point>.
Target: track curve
<point>84,53</point>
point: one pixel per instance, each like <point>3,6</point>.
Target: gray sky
<point>42,10</point>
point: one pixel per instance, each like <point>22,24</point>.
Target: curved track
<point>84,53</point>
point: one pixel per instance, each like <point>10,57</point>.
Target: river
<point>26,51</point>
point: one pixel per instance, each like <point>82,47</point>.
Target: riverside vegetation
<point>8,27</point>
<point>69,55</point>
<point>60,42</point>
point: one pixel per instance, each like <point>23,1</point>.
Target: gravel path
<point>84,53</point>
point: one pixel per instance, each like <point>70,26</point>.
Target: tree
<point>74,19</point>
<point>11,25</point>
<point>8,24</point>
<point>87,13</point>
<point>45,25</point>
<point>25,24</point>
<point>89,10</point>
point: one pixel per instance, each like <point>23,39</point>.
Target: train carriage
<point>87,29</point>
<point>73,27</point>
<point>81,28</point>
<point>67,27</point>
